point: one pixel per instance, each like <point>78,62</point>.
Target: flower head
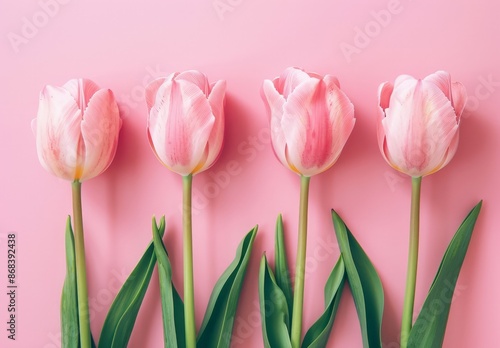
<point>311,120</point>
<point>76,129</point>
<point>418,122</point>
<point>186,121</point>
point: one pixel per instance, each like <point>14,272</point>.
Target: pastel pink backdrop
<point>122,45</point>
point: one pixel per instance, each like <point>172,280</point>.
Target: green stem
<point>81,272</point>
<point>298,298</point>
<point>189,319</point>
<point>411,277</point>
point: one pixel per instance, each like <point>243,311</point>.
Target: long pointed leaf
<point>281,266</point>
<point>317,336</point>
<point>70,333</point>
<point>273,310</point>
<point>364,282</point>
<point>171,302</point>
<point>121,317</point>
<point>430,326</point>
<point>218,322</point>
<point>70,329</point>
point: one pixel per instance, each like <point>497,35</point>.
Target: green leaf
<point>70,333</point>
<point>171,303</point>
<point>121,317</point>
<point>364,282</point>
<point>70,329</point>
<point>281,267</point>
<point>217,325</point>
<point>429,328</point>
<point>273,310</point>
<point>317,336</point>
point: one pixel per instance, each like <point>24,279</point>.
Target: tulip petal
<point>419,128</point>
<point>216,139</point>
<point>330,80</point>
<point>442,80</point>
<point>179,125</point>
<point>402,81</point>
<point>289,80</point>
<point>459,98</point>
<point>33,126</point>
<point>384,96</point>
<point>59,144</point>
<point>196,77</point>
<point>317,121</point>
<point>100,128</point>
<point>152,90</point>
<point>81,90</point>
<point>274,103</point>
<point>341,114</point>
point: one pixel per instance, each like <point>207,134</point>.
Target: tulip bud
<point>311,120</point>
<point>186,121</point>
<point>76,129</point>
<point>418,122</point>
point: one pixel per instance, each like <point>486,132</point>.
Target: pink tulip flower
<point>76,129</point>
<point>418,122</point>
<point>311,120</point>
<point>186,121</point>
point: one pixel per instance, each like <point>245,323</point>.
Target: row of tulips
<point>311,118</point>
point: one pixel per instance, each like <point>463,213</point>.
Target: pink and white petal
<point>442,80</point>
<point>330,81</point>
<point>180,124</point>
<point>459,98</point>
<point>82,90</point>
<point>452,149</point>
<point>398,116</point>
<point>274,103</point>
<point>216,98</point>
<point>276,82</point>
<point>152,90</point>
<point>216,139</point>
<point>58,132</point>
<point>157,118</point>
<point>306,128</point>
<point>100,128</point>
<point>33,126</point>
<point>404,128</point>
<point>420,129</point>
<point>196,77</point>
<point>341,118</point>
<point>384,96</point>
<point>442,127</point>
<point>331,124</point>
<point>313,74</point>
<point>403,80</point>
<point>290,79</point>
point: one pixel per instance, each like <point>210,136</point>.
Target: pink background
<point>122,45</point>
